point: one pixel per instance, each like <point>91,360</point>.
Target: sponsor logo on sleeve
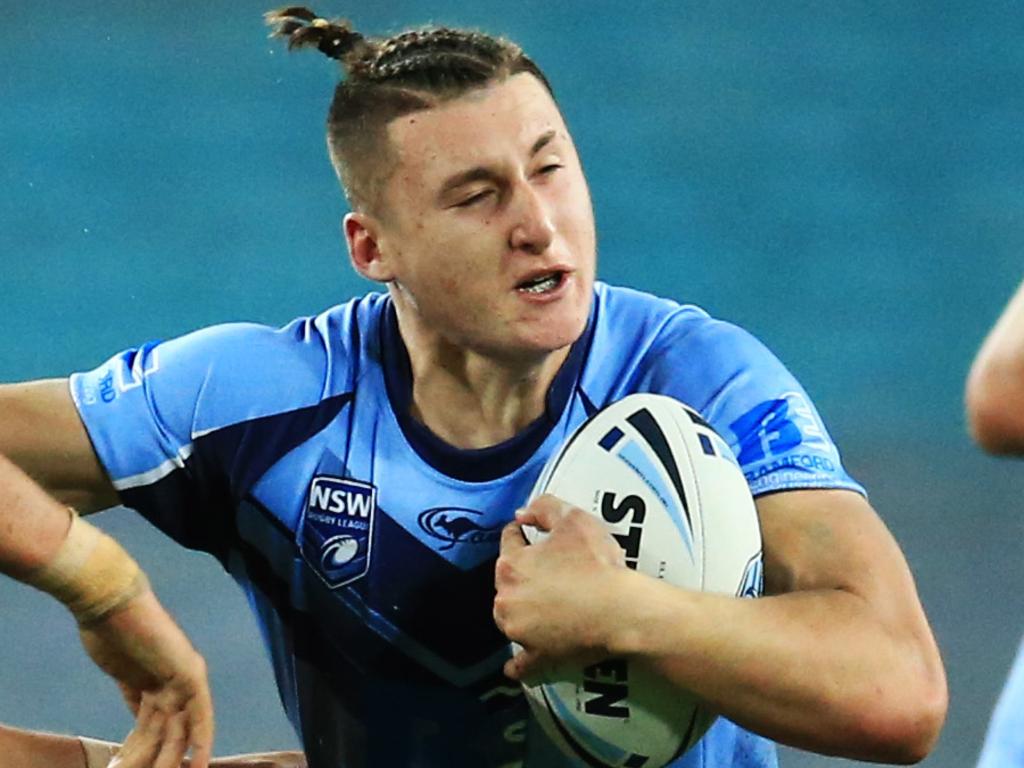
<point>145,362</point>
<point>782,434</point>
<point>336,530</point>
<point>122,377</point>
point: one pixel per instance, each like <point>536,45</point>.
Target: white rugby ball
<point>670,490</point>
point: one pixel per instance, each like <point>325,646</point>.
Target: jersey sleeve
<point>181,427</point>
<point>751,399</point>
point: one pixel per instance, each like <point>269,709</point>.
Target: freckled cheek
<point>468,266</point>
<point>450,285</point>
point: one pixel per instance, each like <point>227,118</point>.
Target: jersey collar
<point>483,464</point>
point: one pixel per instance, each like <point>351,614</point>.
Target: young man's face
<point>490,228</point>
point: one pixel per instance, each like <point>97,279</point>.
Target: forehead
<point>478,128</point>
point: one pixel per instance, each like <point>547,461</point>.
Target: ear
<point>363,235</point>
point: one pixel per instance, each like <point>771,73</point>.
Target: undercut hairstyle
<point>385,78</point>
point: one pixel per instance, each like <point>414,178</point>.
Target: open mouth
<point>542,283</point>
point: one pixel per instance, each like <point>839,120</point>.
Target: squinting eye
<point>473,199</point>
<point>550,168</point>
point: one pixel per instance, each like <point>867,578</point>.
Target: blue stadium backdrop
<point>844,179</point>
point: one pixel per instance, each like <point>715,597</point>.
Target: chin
<point>556,334</point>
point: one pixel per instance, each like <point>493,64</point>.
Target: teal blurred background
<point>843,179</point>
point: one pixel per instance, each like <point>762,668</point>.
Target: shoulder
<point>644,313</point>
<point>664,345</point>
<point>306,342</point>
<point>737,384</point>
<point>232,372</point>
<point>661,322</point>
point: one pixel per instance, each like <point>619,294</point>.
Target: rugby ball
<point>670,490</point>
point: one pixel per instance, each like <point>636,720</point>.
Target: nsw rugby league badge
<point>336,531</point>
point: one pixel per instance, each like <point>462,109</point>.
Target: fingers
<point>142,746</point>
<point>505,569</point>
<point>512,538</point>
<point>174,743</point>
<point>162,737</point>
<point>511,669</point>
<point>543,512</point>
<point>524,667</point>
<point>201,727</point>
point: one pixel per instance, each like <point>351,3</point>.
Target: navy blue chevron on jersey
<point>366,545</point>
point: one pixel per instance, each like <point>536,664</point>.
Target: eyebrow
<point>483,173</point>
<point>543,141</point>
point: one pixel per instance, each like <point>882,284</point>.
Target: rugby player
<point>354,470</point>
<point>995,415</point>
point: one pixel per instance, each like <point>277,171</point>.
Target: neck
<point>472,399</point>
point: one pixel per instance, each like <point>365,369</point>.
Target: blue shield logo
<point>336,530</point>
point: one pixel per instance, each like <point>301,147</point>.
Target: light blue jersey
<point>1004,742</point>
<point>366,545</point>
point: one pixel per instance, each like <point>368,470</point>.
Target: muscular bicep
<point>834,539</point>
<point>41,432</point>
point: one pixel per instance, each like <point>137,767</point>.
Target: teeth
<point>541,285</point>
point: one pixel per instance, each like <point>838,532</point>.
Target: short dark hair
<point>386,78</point>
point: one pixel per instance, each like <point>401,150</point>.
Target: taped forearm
<point>91,574</point>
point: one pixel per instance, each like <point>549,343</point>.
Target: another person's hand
<point>147,746</point>
<point>163,680</point>
<point>122,626</point>
<point>553,596</point>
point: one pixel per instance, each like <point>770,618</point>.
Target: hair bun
<point>304,29</point>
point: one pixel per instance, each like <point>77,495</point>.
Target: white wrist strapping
<point>98,754</point>
<point>91,573</point>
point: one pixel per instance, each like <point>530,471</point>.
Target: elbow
<point>907,737</point>
<point>922,733</point>
<point>987,429</point>
<point>994,405</point>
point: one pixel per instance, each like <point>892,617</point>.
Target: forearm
<point>32,749</point>
<point>838,658</point>
<point>812,669</point>
<point>46,545</point>
<point>261,760</point>
<point>33,524</point>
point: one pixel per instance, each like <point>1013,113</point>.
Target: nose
<point>533,230</point>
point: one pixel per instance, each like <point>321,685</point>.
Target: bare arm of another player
<point>122,626</point>
<point>143,746</point>
<point>41,432</point>
<point>838,658</point>
<point>34,749</point>
<point>995,385</point>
